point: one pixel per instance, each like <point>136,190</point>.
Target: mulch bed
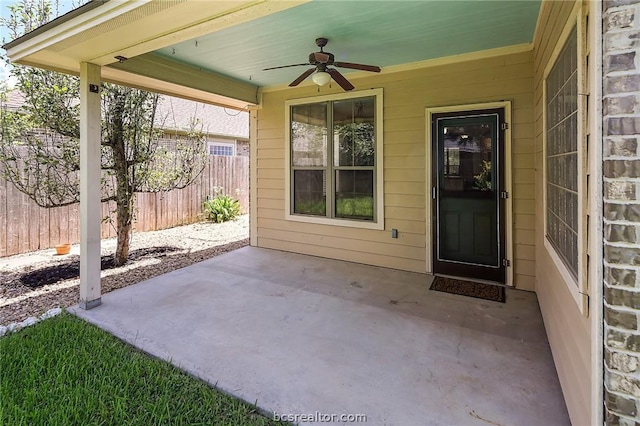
<point>484,291</point>
<point>71,269</point>
<point>125,275</point>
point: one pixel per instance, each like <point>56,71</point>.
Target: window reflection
<point>309,135</point>
<point>467,158</point>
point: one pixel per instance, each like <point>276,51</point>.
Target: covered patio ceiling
<point>215,51</point>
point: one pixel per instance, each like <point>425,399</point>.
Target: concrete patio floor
<point>301,334</point>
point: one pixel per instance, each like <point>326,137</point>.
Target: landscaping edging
<point>17,326</point>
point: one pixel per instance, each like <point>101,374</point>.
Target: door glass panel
<point>467,157</point>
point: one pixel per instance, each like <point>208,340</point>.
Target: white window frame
<point>577,287</point>
<point>378,222</point>
<point>211,144</point>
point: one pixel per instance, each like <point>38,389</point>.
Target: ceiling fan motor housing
<point>321,58</point>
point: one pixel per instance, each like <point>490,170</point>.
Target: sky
<point>65,6</point>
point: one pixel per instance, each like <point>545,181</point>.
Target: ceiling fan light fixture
<point>321,78</point>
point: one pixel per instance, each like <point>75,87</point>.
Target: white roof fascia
<point>92,18</point>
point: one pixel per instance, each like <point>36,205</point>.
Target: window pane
<point>221,150</point>
<point>309,195</point>
<point>354,194</point>
<point>309,135</point>
<point>562,155</point>
<point>354,132</point>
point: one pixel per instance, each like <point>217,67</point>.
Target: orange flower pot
<point>63,249</point>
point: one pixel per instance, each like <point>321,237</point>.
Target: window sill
<point>379,225</point>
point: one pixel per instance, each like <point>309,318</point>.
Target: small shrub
<point>222,208</point>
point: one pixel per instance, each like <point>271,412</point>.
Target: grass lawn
<point>65,371</point>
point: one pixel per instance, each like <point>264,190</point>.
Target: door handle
<point>433,192</point>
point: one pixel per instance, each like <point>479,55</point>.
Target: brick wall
<point>621,168</point>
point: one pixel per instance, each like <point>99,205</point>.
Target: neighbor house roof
<point>14,100</point>
<point>178,114</point>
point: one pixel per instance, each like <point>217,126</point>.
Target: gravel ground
<point>32,283</point>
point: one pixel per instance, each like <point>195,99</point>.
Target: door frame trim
<point>508,179</point>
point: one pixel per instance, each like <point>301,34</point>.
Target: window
<point>217,148</point>
<point>562,156</point>
<point>451,161</point>
<point>334,158</point>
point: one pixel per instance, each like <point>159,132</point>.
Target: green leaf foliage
<point>222,208</point>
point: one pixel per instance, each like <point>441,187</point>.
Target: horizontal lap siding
<point>406,96</point>
<point>567,329</point>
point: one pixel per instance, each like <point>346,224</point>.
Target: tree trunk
<point>123,230</point>
<point>124,191</point>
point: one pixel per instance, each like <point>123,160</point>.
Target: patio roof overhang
<point>215,51</point>
<point>102,30</point>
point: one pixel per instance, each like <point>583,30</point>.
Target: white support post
<point>253,176</point>
<point>90,207</point>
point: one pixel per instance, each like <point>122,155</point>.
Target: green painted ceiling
<point>380,33</point>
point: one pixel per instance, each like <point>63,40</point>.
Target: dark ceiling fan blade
<point>286,66</point>
<point>300,79</point>
<point>362,67</point>
<point>339,78</point>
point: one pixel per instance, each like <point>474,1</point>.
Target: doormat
<point>491,292</point>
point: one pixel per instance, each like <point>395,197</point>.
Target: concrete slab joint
<point>621,167</point>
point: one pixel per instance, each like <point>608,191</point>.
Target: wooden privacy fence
<point>25,227</point>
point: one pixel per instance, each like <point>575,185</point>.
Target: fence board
<point>34,225</point>
<point>64,224</point>
<point>24,226</point>
<point>74,222</point>
<point>152,212</point>
<point>54,226</point>
<point>13,213</point>
<point>179,206</point>
<point>173,207</point>
<point>23,223</point>
<point>43,228</point>
<point>162,200</point>
<point>140,214</point>
<point>196,195</point>
<point>13,197</point>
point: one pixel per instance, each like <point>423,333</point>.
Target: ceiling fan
<point>323,74</point>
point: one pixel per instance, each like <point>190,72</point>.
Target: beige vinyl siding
<point>567,329</point>
<point>407,94</point>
